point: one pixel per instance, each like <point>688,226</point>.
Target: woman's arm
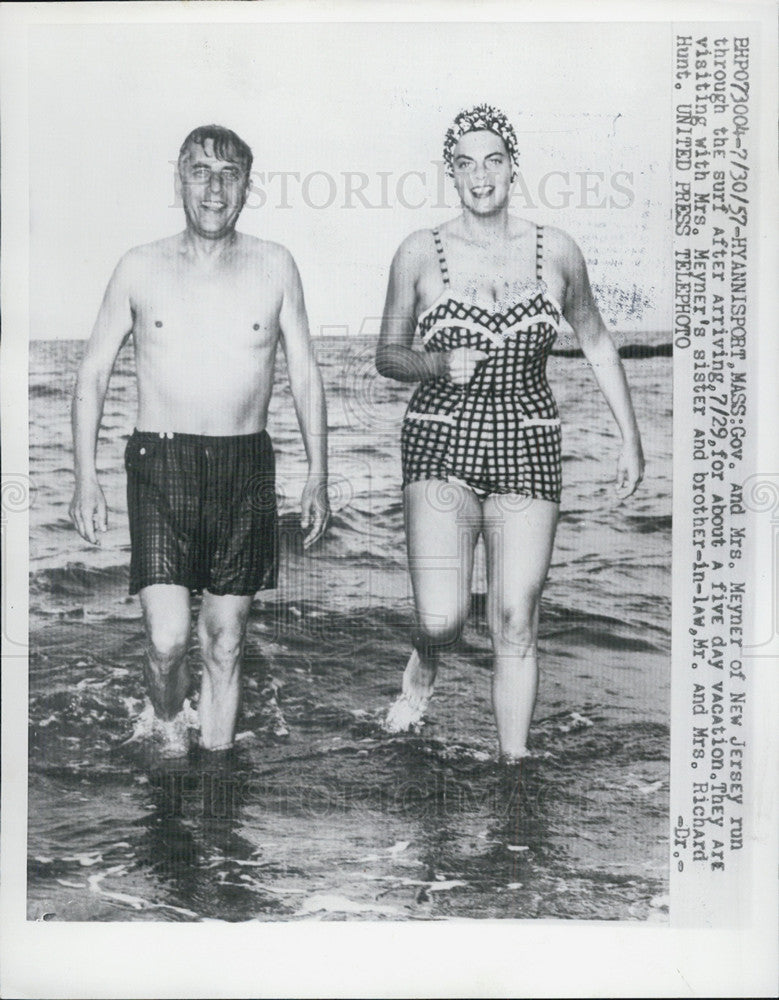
<point>582,313</point>
<point>395,357</point>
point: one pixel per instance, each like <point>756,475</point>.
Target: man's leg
<point>166,617</point>
<point>221,629</point>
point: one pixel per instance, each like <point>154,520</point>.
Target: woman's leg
<point>443,522</point>
<point>519,535</point>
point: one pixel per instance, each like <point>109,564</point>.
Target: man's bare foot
<point>171,735</point>
<point>409,709</point>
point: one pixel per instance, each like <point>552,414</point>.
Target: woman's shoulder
<point>423,240</point>
<point>558,243</point>
<point>417,248</point>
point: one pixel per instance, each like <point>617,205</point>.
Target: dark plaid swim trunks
<point>202,512</point>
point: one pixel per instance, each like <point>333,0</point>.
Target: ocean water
<point>321,815</point>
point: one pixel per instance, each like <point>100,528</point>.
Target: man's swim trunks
<point>202,512</point>
<point>500,433</point>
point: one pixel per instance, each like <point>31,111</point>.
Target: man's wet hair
<point>226,145</point>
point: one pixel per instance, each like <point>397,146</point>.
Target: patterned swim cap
<point>483,116</point>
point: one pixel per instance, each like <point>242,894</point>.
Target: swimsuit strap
<point>539,252</point>
<point>441,259</point>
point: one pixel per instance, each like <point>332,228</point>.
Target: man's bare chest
<point>231,309</point>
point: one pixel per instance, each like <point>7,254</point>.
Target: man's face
<point>213,190</point>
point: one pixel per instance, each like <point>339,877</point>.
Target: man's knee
<point>167,642</point>
<point>221,642</point>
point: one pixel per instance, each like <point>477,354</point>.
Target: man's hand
<point>630,469</point>
<point>315,509</point>
<point>88,511</point>
<point>461,364</point>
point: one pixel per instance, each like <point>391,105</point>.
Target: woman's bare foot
<point>406,712</point>
<point>522,755</point>
<point>410,707</point>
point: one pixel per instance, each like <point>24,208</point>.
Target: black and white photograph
<point>380,465</point>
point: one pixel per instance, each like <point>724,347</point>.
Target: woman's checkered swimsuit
<point>501,432</point>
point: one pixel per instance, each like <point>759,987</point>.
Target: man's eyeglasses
<point>201,174</point>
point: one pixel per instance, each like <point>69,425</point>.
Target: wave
<point>49,391</point>
<point>634,351</point>
<point>647,524</point>
<point>77,580</point>
<point>587,629</point>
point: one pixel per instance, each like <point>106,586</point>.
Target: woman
<point>481,437</point>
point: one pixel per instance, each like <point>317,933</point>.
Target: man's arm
<point>582,313</point>
<point>308,395</point>
<point>114,323</point>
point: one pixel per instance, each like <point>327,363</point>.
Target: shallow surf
<point>320,815</point>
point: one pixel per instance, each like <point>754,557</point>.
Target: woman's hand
<point>461,364</point>
<point>630,468</point>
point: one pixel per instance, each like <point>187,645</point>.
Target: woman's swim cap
<point>483,116</point>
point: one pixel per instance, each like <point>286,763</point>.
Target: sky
<point>346,122</point>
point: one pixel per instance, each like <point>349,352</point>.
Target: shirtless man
<point>206,310</point>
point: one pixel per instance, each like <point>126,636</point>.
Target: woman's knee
<point>515,627</point>
<point>431,637</point>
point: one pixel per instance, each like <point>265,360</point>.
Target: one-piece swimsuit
<point>500,433</point>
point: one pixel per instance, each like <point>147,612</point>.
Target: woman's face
<point>482,172</point>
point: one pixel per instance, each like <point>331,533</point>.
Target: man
<point>206,310</point>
